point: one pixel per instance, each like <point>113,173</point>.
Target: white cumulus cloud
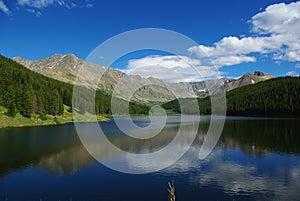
<point>232,59</point>
<point>171,68</point>
<point>276,31</point>
<point>278,19</point>
<point>4,8</point>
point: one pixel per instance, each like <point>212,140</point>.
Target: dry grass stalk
<point>171,191</point>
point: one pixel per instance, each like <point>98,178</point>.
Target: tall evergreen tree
<point>12,109</point>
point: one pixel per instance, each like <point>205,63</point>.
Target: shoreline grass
<point>39,120</point>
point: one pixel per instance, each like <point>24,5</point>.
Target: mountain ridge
<point>278,97</point>
<point>153,90</point>
<point>64,67</point>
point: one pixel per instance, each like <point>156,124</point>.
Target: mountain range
<point>64,67</point>
<point>31,92</point>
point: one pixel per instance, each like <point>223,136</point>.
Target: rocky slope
<point>248,79</point>
<point>64,67</point>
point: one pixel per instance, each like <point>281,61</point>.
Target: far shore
<point>41,120</point>
<point>20,121</point>
<point>67,117</point>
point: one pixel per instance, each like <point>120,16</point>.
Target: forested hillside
<point>26,92</point>
<point>279,97</point>
<point>275,97</point>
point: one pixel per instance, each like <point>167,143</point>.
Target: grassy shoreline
<point>39,120</point>
<point>47,120</point>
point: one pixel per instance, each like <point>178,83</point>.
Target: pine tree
<point>27,104</point>
<point>12,109</point>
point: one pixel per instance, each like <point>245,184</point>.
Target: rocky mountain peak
<point>248,79</point>
<point>259,73</point>
<point>55,61</point>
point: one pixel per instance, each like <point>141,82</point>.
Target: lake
<point>255,159</point>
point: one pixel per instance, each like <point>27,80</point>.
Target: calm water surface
<point>255,159</point>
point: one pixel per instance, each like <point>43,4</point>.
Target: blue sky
<point>239,35</point>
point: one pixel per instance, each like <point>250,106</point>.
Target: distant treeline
<point>274,97</point>
<point>26,92</point>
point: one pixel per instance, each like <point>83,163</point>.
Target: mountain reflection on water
<point>253,154</point>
